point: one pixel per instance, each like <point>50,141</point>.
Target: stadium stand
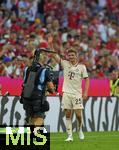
<point>92,27</point>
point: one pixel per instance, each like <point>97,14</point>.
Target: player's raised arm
<point>54,55</point>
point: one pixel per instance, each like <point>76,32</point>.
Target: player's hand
<point>85,96</point>
<point>50,39</point>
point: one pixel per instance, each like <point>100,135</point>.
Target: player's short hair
<point>72,50</point>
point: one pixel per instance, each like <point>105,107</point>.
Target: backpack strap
<point>38,73</point>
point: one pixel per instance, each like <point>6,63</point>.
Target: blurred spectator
<point>114,83</point>
<point>8,68</point>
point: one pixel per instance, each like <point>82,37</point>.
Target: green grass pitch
<point>92,141</point>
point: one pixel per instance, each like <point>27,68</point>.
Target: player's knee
<point>68,115</point>
<point>78,116</point>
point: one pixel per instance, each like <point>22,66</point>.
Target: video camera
<point>37,53</point>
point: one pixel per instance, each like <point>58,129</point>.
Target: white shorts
<point>70,101</point>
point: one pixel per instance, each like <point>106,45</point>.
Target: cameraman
<point>34,101</point>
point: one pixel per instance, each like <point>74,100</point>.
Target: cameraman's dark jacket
<point>35,91</point>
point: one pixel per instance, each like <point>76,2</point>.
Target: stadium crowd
<point>91,27</point>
